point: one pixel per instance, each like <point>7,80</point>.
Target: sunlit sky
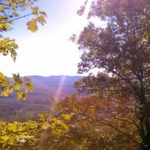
<point>47,51</point>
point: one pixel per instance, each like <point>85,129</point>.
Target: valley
<point>38,101</point>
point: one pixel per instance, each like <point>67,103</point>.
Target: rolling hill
<point>52,86</point>
<point>47,87</point>
<point>39,100</point>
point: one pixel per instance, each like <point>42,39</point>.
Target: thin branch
<point>3,4</point>
<point>131,121</point>
<point>106,122</point>
<point>19,18</point>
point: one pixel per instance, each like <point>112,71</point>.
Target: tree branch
<point>106,122</point>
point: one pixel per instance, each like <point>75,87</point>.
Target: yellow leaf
<point>17,78</point>
<point>13,6</point>
<point>21,95</point>
<point>23,8</point>
<point>2,8</point>
<point>35,10</point>
<point>67,116</point>
<point>17,86</point>
<point>7,26</point>
<point>41,19</point>
<point>5,93</point>
<point>1,26</point>
<point>144,40</point>
<point>15,14</point>
<point>32,25</point>
<point>43,13</point>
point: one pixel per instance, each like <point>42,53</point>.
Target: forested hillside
<point>45,88</point>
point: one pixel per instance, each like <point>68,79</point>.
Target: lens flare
<point>59,90</point>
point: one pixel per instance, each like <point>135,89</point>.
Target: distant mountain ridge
<point>53,86</point>
<point>39,100</point>
<point>50,86</point>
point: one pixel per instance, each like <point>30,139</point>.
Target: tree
<point>108,128</point>
<point>121,49</point>
<point>10,12</point>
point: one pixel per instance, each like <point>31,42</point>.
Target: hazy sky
<point>48,51</point>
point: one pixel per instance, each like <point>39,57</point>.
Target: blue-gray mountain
<point>47,87</point>
<point>39,100</point>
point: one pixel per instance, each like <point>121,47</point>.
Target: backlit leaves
<point>17,84</point>
<point>7,46</point>
<point>10,12</point>
<point>16,134</point>
<point>35,10</point>
<point>120,49</point>
<point>43,13</point>
<point>32,25</point>
<point>76,130</point>
<point>111,128</point>
<point>41,19</point>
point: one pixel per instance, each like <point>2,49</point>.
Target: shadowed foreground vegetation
<point>87,123</point>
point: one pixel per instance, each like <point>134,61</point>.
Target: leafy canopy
<point>121,47</point>
<point>120,51</point>
<point>10,12</point>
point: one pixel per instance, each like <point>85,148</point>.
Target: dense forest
<point>110,109</point>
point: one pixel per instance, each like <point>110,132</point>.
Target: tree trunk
<point>144,129</point>
<point>143,115</point>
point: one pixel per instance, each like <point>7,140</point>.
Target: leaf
<point>32,25</point>
<point>67,116</point>
<point>23,8</point>
<point>7,27</point>
<point>2,8</point>
<point>1,26</point>
<point>41,19</point>
<point>17,78</point>
<point>21,95</point>
<point>16,86</point>
<point>13,6</point>
<point>15,14</point>
<point>5,93</point>
<point>43,13</point>
<point>35,10</point>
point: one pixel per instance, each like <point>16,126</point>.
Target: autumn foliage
<point>10,12</point>
<point>86,123</point>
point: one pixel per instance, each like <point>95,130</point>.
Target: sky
<point>49,50</point>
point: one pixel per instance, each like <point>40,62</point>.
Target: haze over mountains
<point>52,86</point>
<point>39,100</point>
<point>47,87</point>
